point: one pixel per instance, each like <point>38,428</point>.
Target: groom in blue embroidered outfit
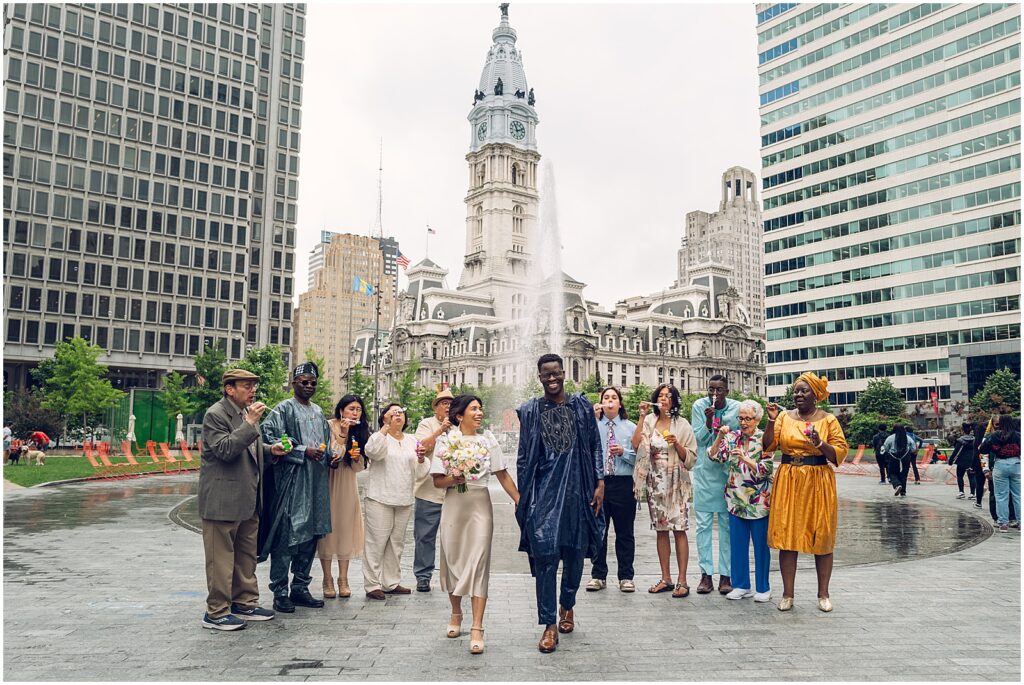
<point>561,484</point>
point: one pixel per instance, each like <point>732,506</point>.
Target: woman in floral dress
<point>747,495</point>
<point>666,451</point>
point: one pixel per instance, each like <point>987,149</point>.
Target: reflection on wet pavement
<point>870,532</point>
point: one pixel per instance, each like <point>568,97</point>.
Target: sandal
<point>681,590</point>
<point>455,625</point>
<point>328,587</point>
<point>661,586</point>
<point>344,591</point>
<point>476,646</point>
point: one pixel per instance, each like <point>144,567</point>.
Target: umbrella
<point>131,429</point>
<point>179,433</point>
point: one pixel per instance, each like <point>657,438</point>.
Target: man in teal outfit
<point>708,415</point>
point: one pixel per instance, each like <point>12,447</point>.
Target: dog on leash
<point>30,454</point>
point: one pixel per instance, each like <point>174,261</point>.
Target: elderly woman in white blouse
<point>394,463</point>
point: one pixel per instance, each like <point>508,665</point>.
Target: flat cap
<point>238,375</point>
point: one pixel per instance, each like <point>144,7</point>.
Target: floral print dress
<point>747,490</point>
<point>662,478</point>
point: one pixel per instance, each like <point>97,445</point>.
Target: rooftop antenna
<point>379,227</point>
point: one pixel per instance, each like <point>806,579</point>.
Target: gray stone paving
<point>100,584</point>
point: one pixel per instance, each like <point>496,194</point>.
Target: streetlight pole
<point>376,355</point>
<point>935,379</point>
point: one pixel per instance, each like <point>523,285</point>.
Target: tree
<point>881,397</point>
<point>360,385</point>
<point>175,398</point>
<point>24,414</point>
<point>634,396</point>
<point>267,363</point>
<point>75,384</point>
<point>415,399</point>
<point>211,364</point>
<point>863,425</point>
<point>324,395</point>
<point>1001,393</point>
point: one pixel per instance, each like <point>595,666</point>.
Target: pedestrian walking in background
<point>748,496</point>
<point>350,432</point>
<point>429,498</point>
<point>877,443</point>
<point>561,484</point>
<point>664,460</point>
<point>617,433</point>
<point>395,464</point>
<point>1003,448</point>
<point>230,501</point>
<point>464,460</point>
<point>7,442</point>
<point>804,506</point>
<point>299,510</point>
<point>964,453</point>
<point>900,447</point>
<point>709,476</point>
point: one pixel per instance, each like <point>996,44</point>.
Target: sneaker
<point>903,494</point>
<point>739,593</point>
<point>917,482</point>
<point>1003,528</point>
<point>225,622</point>
<point>423,585</point>
<point>252,613</point>
<point>763,596</point>
<point>596,584</point>
<point>977,505</point>
<point>960,495</point>
<point>627,586</point>
<point>881,482</point>
<point>1014,524</point>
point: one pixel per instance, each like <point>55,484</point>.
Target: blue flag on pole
<point>361,286</point>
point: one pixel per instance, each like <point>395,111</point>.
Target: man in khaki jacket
<point>230,502</point>
<point>428,498</point>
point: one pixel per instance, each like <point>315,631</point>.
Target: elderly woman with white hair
<point>747,494</point>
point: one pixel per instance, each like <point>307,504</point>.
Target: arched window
<point>575,371</point>
<point>576,324</point>
<point>478,222</point>
<point>517,218</point>
<point>515,174</point>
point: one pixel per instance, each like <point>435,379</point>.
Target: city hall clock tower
<point>501,204</point>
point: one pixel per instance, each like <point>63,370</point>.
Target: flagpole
<point>348,350</point>
<point>376,357</point>
<point>426,244</point>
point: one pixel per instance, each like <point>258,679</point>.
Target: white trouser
<point>385,527</point>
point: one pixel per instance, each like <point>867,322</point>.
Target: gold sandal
<point>343,589</point>
<point>455,626</point>
<point>476,646</point>
<point>328,586</point>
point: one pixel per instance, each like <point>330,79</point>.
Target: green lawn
<point>61,468</point>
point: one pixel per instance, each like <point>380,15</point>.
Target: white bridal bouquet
<point>462,457</point>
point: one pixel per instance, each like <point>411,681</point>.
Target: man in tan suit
<point>230,502</point>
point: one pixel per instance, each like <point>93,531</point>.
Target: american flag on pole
<point>403,261</point>
<point>431,231</point>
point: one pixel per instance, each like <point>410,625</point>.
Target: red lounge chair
<point>854,468</point>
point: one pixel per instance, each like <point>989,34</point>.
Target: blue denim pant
<point>742,532</point>
<point>1006,483</point>
<point>424,532</point>
<point>545,571</point>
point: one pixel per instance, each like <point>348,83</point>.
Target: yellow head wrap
<point>818,385</point>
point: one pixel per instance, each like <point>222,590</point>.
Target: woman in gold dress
<point>803,516</point>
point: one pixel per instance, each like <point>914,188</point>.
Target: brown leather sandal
<point>681,590</point>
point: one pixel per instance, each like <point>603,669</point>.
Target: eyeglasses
<point>717,391</point>
<point>313,383</point>
<point>747,418</point>
<point>247,385</point>
<point>550,376</point>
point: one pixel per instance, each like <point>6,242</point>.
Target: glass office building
<point>151,159</point>
<point>890,143</point>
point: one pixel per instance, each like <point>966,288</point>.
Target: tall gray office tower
<point>151,158</point>
<point>890,145</point>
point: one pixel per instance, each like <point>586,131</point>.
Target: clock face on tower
<point>517,130</point>
<point>481,131</point>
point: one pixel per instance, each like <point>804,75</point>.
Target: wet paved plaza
<point>105,581</point>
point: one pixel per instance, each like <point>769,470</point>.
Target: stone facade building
<point>491,328</point>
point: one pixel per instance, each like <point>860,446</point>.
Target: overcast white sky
<point>642,107</point>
